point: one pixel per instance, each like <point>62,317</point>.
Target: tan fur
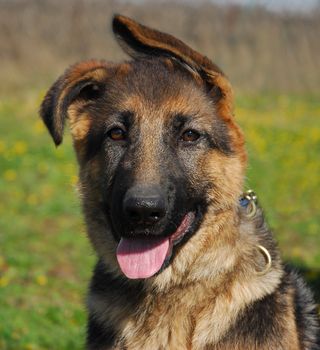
<point>199,300</point>
<point>158,40</point>
<point>212,306</point>
<point>123,70</point>
<point>79,125</point>
<point>85,70</point>
<point>227,259</point>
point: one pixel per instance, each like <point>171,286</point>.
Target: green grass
<point>283,136</point>
<point>45,257</point>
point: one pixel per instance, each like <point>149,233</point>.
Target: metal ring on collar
<point>268,259</point>
<point>251,209</point>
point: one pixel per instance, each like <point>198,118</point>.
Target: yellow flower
<point>30,346</point>
<point>10,175</point>
<point>4,281</point>
<point>314,134</point>
<point>32,199</point>
<point>74,180</point>
<point>38,127</point>
<point>70,168</point>
<point>20,148</point>
<point>41,280</point>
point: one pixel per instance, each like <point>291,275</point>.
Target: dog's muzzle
<point>144,206</point>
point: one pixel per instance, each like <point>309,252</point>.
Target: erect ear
<point>140,41</point>
<point>83,81</point>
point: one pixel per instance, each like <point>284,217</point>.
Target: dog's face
<point>156,144</point>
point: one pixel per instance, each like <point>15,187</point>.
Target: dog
<point>185,259</point>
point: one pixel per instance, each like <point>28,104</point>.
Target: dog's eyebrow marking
<point>126,118</point>
<point>219,139</point>
<point>179,120</point>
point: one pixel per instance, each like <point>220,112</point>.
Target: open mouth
<point>144,257</point>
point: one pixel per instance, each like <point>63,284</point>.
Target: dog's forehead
<point>162,86</point>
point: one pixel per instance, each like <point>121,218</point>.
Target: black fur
<point>106,284</point>
<point>265,318</point>
<point>99,336</point>
<point>307,315</point>
<point>165,70</point>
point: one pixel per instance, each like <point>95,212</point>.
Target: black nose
<point>144,205</point>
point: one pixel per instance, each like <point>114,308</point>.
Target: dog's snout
<point>144,205</point>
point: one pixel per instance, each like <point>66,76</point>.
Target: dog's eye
<point>190,136</point>
<point>117,134</point>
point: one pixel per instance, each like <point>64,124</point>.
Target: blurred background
<point>269,49</point>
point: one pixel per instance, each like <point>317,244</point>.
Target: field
<point>45,258</point>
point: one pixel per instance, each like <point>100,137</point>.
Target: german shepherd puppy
<point>182,264</point>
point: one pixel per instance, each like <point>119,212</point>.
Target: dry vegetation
<point>260,51</point>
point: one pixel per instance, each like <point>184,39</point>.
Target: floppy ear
<point>82,81</point>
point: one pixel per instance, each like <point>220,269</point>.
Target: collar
<point>248,200</point>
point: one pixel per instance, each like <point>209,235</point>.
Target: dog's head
<point>157,147</point>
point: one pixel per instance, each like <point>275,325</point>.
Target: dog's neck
<point>219,261</point>
<point>224,279</point>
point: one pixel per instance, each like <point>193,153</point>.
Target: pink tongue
<point>142,258</point>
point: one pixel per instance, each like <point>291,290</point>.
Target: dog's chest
<point>161,325</point>
<point>182,321</point>
<point>190,321</point>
